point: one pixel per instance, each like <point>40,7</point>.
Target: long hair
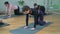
<point>25,8</point>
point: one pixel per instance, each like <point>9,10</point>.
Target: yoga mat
<point>21,30</point>
<point>4,17</point>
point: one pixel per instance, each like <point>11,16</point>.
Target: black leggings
<point>35,20</point>
<point>27,19</point>
<point>16,11</point>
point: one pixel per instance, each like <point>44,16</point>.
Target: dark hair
<point>6,2</point>
<point>35,4</point>
<point>25,8</point>
<point>38,6</point>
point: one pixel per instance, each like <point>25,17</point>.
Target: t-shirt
<point>11,7</point>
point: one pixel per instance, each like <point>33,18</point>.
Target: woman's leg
<point>42,20</point>
<point>27,19</point>
<point>16,11</point>
<point>35,22</point>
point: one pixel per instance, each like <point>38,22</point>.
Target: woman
<point>28,11</point>
<point>10,7</point>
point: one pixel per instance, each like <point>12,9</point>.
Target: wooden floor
<point>19,21</point>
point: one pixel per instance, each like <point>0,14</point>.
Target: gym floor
<point>19,21</point>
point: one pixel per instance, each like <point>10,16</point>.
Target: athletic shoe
<point>32,29</point>
<point>25,27</point>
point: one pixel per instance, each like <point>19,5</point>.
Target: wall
<point>46,3</point>
<point>15,2</point>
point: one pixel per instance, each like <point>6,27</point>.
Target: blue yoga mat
<point>4,17</point>
<point>21,30</point>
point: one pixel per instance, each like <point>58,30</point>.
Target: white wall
<point>15,2</point>
<point>30,3</point>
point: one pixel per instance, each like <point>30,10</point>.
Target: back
<point>34,11</point>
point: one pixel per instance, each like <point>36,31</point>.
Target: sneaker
<point>32,29</point>
<point>25,27</point>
